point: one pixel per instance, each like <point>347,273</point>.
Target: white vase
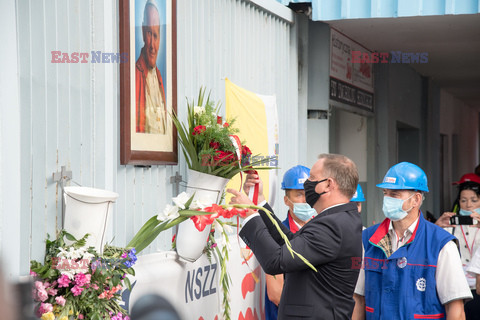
<point>87,211</point>
<point>189,241</point>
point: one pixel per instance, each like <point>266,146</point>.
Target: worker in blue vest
<point>411,267</point>
<point>299,213</point>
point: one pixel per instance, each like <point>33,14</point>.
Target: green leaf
<point>69,236</point>
<point>127,283</point>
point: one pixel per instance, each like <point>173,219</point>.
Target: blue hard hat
<point>295,177</point>
<point>358,196</point>
<point>405,176</point>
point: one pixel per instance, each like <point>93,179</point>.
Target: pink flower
<point>42,295</point>
<point>81,279</point>
<point>51,291</point>
<point>63,281</point>
<point>76,290</point>
<point>60,300</point>
<point>80,316</point>
<point>44,308</point>
<point>39,285</point>
<point>33,273</point>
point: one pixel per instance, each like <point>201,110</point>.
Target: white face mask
<point>393,208</point>
<point>303,211</point>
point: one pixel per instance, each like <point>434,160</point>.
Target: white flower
<point>69,273</point>
<point>181,199</point>
<point>217,226</point>
<point>198,110</point>
<point>202,203</point>
<point>228,229</point>
<point>170,212</point>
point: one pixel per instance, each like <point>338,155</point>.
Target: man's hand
<point>240,198</point>
<point>444,220</point>
<point>250,181</point>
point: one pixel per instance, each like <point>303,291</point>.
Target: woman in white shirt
<point>468,235</point>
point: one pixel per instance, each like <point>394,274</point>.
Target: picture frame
<point>148,82</point>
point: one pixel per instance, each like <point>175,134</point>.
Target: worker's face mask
<point>393,208</point>
<point>303,211</point>
<point>310,195</point>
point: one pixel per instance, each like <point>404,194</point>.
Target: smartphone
<point>462,220</point>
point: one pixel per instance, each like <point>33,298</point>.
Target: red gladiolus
<point>219,120</point>
<point>198,130</point>
<point>226,125</point>
<point>202,221</point>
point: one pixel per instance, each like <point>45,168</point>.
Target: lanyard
<point>470,249</point>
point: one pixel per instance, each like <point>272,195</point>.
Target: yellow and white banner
<point>256,117</point>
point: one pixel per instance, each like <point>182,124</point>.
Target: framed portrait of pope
<point>148,82</point>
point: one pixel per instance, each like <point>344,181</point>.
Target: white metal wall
<point>69,113</point>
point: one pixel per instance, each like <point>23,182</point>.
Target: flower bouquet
<point>75,282</point>
<point>210,145</point>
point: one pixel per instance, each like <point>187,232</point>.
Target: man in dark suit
<point>331,241</point>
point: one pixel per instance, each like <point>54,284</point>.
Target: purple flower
<point>132,258</point>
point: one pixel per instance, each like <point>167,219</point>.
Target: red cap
<point>469,177</point>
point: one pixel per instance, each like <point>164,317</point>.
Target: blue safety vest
<point>403,285</point>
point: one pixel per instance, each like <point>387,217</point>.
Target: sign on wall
<point>351,80</point>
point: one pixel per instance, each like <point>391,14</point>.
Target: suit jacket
<point>329,242</point>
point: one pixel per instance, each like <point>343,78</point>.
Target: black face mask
<point>310,195</point>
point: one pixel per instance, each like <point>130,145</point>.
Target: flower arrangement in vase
<point>210,145</point>
<point>75,282</point>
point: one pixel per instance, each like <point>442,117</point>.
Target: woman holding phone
<point>464,223</point>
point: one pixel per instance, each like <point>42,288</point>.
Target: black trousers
<point>472,307</point>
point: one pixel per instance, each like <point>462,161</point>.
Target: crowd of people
<point>402,268</point>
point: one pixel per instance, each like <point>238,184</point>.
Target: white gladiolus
<point>228,229</point>
<point>218,226</point>
<point>181,199</point>
<point>169,213</point>
<point>202,203</point>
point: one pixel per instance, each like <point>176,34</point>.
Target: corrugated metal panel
<point>70,112</point>
<point>324,10</point>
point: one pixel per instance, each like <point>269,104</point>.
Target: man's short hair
<point>341,169</point>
